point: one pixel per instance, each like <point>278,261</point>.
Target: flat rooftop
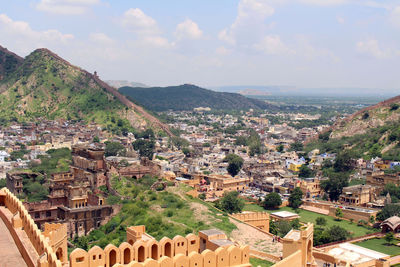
<point>222,242</point>
<point>284,214</point>
<point>212,232</point>
<point>355,254</point>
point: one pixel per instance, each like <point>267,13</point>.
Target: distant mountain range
<point>253,90</point>
<point>187,97</point>
<point>123,83</point>
<point>43,85</point>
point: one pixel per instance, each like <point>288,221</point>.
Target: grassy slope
<point>167,213</point>
<point>379,244</point>
<point>45,86</point>
<point>262,263</point>
<point>309,216</point>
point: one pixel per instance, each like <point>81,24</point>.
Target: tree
<point>295,198</point>
<point>145,147</point>
<point>339,213</point>
<point>389,237</point>
<point>231,203</point>
<point>295,224</point>
<point>338,233</point>
<point>343,162</point>
<point>371,219</point>
<point>305,172</point>
<point>272,201</point>
<point>283,227</point>
<point>113,148</point>
<point>320,221</point>
<point>296,146</point>
<point>235,163</point>
<point>334,185</point>
<point>388,211</point>
<point>280,148</point>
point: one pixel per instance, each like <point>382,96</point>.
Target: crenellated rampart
<point>22,220</point>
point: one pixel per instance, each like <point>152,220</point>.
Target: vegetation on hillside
<point>164,213</point>
<point>187,97</point>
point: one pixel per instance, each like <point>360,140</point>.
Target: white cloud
<point>65,7</point>
<point>272,45</point>
<point>100,38</point>
<point>223,51</point>
<point>250,13</point>
<point>324,2</point>
<point>21,29</point>
<point>135,20</point>
<point>226,36</point>
<point>340,20</point>
<point>156,41</point>
<point>395,16</point>
<point>372,48</point>
<point>188,30</point>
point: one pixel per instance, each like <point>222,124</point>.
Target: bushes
<point>272,201</point>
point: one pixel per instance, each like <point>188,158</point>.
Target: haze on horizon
<point>300,43</point>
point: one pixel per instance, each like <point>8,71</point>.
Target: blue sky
<point>302,43</point>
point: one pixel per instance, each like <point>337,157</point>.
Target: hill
<point>43,85</point>
<point>122,83</point>
<point>371,132</point>
<point>370,117</point>
<point>187,97</point>
<point>9,62</point>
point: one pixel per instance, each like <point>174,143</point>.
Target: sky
<point>300,43</point>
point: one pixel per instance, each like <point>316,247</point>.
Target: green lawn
<point>356,182</point>
<point>309,216</point>
<point>257,262</point>
<point>379,244</point>
<point>253,207</point>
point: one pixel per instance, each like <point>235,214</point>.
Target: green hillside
<point>9,62</point>
<point>187,97</point>
<point>368,133</point>
<point>43,85</point>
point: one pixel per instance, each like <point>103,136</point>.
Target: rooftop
<point>355,254</point>
<point>284,214</point>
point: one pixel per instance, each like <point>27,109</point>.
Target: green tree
<point>295,224</point>
<point>235,163</point>
<point>283,228</point>
<point>36,192</point>
<point>338,233</point>
<point>231,203</point>
<point>389,237</point>
<point>272,201</point>
<point>202,196</point>
<point>320,221</point>
<point>388,211</point>
<point>280,148</point>
<point>296,146</point>
<point>371,219</point>
<point>305,172</point>
<point>338,213</point>
<point>295,198</point>
<point>2,183</point>
<point>114,149</point>
<point>145,147</point>
<point>343,162</point>
<point>334,184</point>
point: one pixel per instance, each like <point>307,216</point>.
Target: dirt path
<point>257,240</point>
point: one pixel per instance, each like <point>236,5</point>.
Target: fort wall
<point>22,220</point>
<point>140,255</point>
